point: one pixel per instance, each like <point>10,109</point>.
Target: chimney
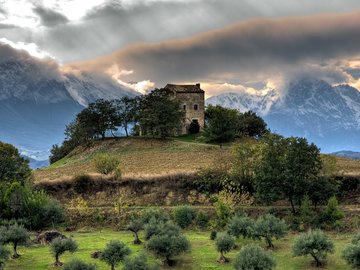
<point>198,85</point>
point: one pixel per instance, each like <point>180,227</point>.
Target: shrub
<point>213,235</point>
<point>331,216</point>
<point>306,214</point>
<point>138,263</point>
<point>202,220</point>
<point>253,257</point>
<point>351,253</point>
<point>224,243</point>
<point>223,213</point>
<point>114,252</point>
<point>4,256</point>
<point>209,180</point>
<point>78,265</point>
<point>184,216</point>
<point>241,226</point>
<point>314,243</point>
<point>160,215</point>
<point>82,183</point>
<point>106,163</point>
<point>135,225</point>
<point>59,246</point>
<point>16,235</point>
<point>168,242</point>
<point>320,190</point>
<point>270,227</point>
<point>118,173</point>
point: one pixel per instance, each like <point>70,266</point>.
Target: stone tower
<point>192,99</point>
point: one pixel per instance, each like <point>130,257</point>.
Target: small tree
<point>332,214</point>
<point>184,216</point>
<point>351,253</point>
<point>314,243</point>
<point>59,246</point>
<point>224,243</point>
<point>16,235</point>
<point>202,219</point>
<point>4,257</point>
<point>78,265</point>
<point>253,257</point>
<point>241,226</point>
<point>160,215</point>
<point>114,252</point>
<point>270,227</point>
<point>135,225</point>
<point>138,263</point>
<point>168,242</point>
<point>106,163</point>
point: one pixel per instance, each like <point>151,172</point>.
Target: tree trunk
<point>15,254</point>
<point>137,240</point>
<point>222,258</point>
<point>318,262</point>
<point>269,242</point>
<point>126,130</point>
<point>112,267</point>
<point>57,262</point>
<point>292,206</point>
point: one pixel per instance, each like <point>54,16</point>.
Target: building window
<point>184,107</point>
<point>196,107</point>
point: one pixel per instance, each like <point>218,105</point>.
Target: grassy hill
<point>152,157</point>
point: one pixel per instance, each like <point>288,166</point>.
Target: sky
<point>226,45</point>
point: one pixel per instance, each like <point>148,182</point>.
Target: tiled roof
<point>192,88</point>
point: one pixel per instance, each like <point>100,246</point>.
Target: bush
<point>314,243</point>
<point>270,227</point>
<point>224,243</point>
<point>78,265</point>
<point>184,216</point>
<point>82,183</point>
<point>118,173</point>
<point>320,190</point>
<point>135,225</point>
<point>223,213</point>
<point>168,242</point>
<point>351,253</point>
<point>213,235</point>
<point>253,257</point>
<point>16,235</point>
<point>241,226</point>
<point>106,163</point>
<point>4,256</point>
<point>331,216</point>
<point>209,180</point>
<point>114,252</point>
<point>160,215</point>
<point>202,220</point>
<point>138,263</point>
<point>59,246</point>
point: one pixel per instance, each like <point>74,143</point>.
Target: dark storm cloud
<point>50,17</point>
<point>247,49</point>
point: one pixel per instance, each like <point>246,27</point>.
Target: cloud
<point>30,48</point>
<point>50,17</point>
<point>252,50</point>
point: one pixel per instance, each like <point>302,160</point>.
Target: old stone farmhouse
<point>192,99</point>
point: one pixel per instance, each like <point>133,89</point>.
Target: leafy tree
<point>160,113</point>
<point>331,215</point>
<point>78,265</point>
<point>16,200</point>
<point>224,243</point>
<point>159,214</point>
<point>106,163</point>
<point>253,257</point>
<point>270,227</point>
<point>136,225</point>
<point>4,257</point>
<point>351,253</point>
<point>184,216</point>
<point>13,167</point>
<point>320,190</point>
<point>306,214</point>
<point>138,263</point>
<point>220,124</point>
<point>213,235</point>
<point>152,228</point>
<point>285,168</point>
<point>314,243</point>
<point>250,125</point>
<point>241,226</point>
<point>59,246</point>
<point>114,252</point>
<point>202,219</point>
<point>127,111</point>
<point>168,242</point>
<point>16,235</point>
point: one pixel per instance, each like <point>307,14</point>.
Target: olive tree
<point>114,253</point>
<point>78,265</point>
<point>59,246</point>
<point>241,226</point>
<point>16,235</point>
<point>270,227</point>
<point>224,243</point>
<point>135,225</point>
<point>184,215</point>
<point>314,243</point>
<point>138,263</point>
<point>253,257</point>
<point>351,253</point>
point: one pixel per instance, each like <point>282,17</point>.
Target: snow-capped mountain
<point>327,115</point>
<point>37,100</point>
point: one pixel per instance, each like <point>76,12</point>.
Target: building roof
<point>190,88</point>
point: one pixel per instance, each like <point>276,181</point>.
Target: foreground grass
<point>203,254</point>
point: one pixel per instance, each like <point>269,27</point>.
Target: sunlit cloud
<point>31,48</point>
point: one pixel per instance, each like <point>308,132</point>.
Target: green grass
<point>203,254</point>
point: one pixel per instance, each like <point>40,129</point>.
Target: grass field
<point>203,254</point>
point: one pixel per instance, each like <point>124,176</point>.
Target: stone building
<point>192,99</point>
